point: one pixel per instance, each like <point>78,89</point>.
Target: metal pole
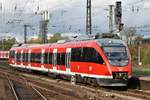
<point>118,16</point>
<point>44,26</point>
<point>44,30</point>
<point>110,18</point>
<point>88,18</point>
<point>2,44</point>
<point>139,55</point>
<point>25,33</point>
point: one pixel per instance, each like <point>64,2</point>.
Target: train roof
<point>78,43</point>
<point>19,46</point>
<point>110,42</point>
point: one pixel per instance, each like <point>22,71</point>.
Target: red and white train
<point>4,54</point>
<point>106,61</point>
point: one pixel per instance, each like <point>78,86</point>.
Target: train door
<point>49,60</point>
<point>29,58</point>
<point>68,59</point>
<point>25,60</point>
<point>15,61</point>
<point>21,58</point>
<point>42,59</point>
<point>54,59</point>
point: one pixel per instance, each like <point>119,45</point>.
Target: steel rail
<point>39,93</point>
<point>13,89</point>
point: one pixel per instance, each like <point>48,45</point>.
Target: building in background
<point>146,40</point>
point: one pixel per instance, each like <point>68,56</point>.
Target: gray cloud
<point>68,15</point>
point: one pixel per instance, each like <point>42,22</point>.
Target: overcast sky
<point>69,15</point>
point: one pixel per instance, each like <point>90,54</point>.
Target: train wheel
<point>85,80</point>
<point>73,80</point>
<point>94,82</point>
<point>78,78</point>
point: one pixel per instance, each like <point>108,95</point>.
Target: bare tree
<point>130,33</point>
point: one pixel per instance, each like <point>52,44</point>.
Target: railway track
<point>50,92</point>
<point>53,90</point>
<point>50,88</point>
<point>23,92</point>
<point>129,94</point>
<point>138,93</point>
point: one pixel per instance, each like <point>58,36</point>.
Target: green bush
<point>145,54</point>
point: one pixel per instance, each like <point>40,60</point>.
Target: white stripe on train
<point>63,72</point>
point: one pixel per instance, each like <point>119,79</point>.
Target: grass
<point>141,71</point>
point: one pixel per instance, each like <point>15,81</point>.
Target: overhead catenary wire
<point>68,20</point>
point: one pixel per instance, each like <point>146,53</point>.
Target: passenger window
<point>86,54</point>
<point>18,57</point>
<point>36,57</point>
<point>25,57</point>
<point>76,54</point>
<point>50,58</point>
<point>45,58</point>
<point>12,54</point>
<point>61,58</point>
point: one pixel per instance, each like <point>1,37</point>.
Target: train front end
<point>117,60</point>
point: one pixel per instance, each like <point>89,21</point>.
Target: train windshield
<point>117,55</point>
